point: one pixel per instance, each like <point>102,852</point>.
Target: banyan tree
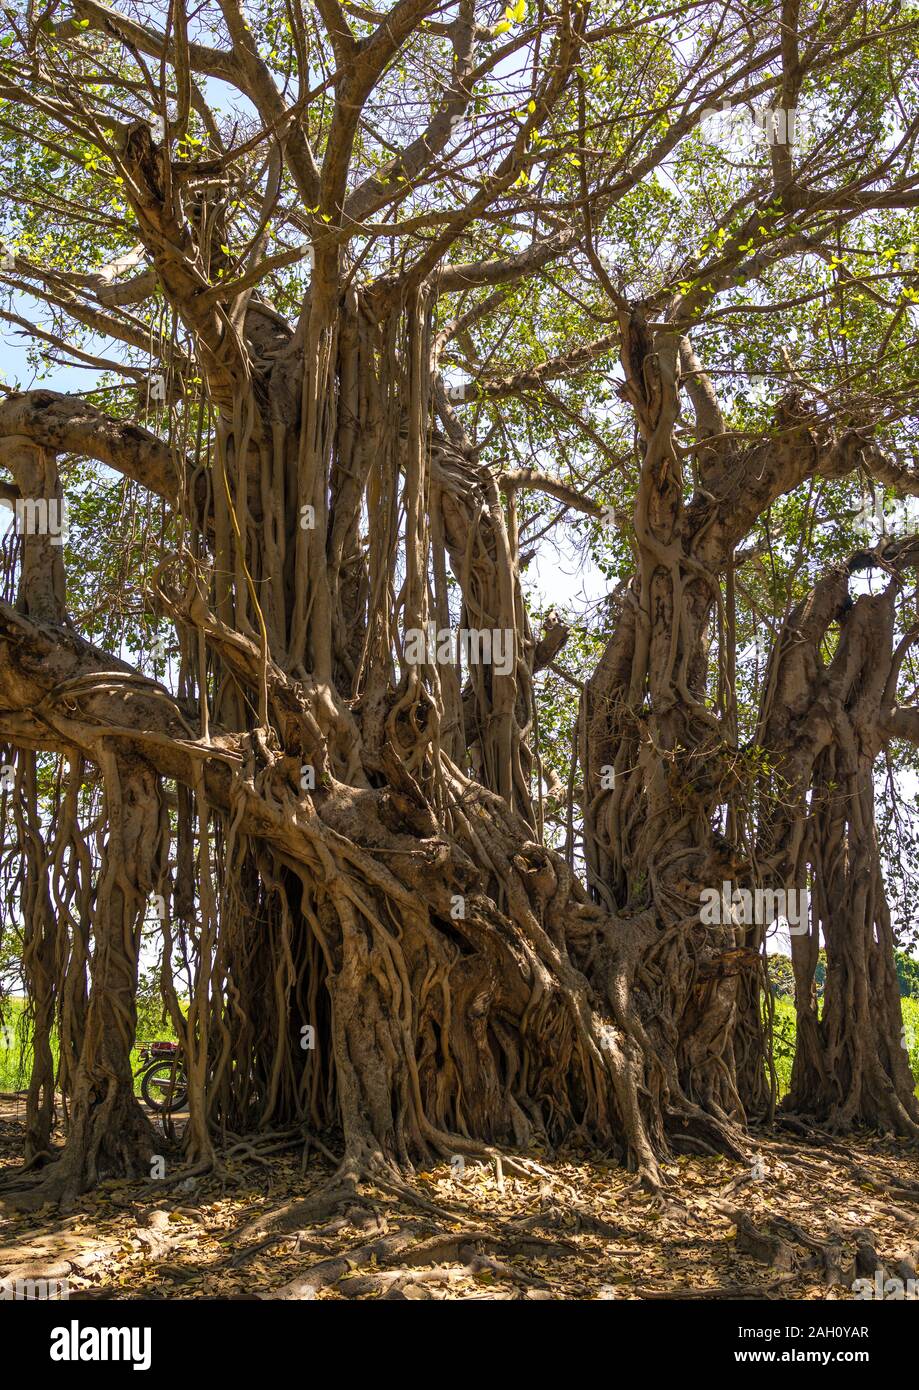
<point>326,324</point>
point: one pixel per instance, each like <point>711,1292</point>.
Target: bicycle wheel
<point>163,1086</point>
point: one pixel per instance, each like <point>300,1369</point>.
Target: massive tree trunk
<point>659,743</point>
<point>379,941</point>
<point>386,946</point>
<point>825,723</point>
<point>655,760</point>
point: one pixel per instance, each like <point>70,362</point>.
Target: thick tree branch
<point>68,425</point>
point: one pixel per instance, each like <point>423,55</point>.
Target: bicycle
<point>163,1081</point>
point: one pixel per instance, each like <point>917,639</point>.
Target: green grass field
<point>15,1055</point>
<point>785,1038</point>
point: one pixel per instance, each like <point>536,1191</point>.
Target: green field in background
<point>15,1054</point>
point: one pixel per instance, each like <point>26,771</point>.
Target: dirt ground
<point>803,1220</point>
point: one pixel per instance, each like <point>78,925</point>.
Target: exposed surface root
<point>583,1230</point>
